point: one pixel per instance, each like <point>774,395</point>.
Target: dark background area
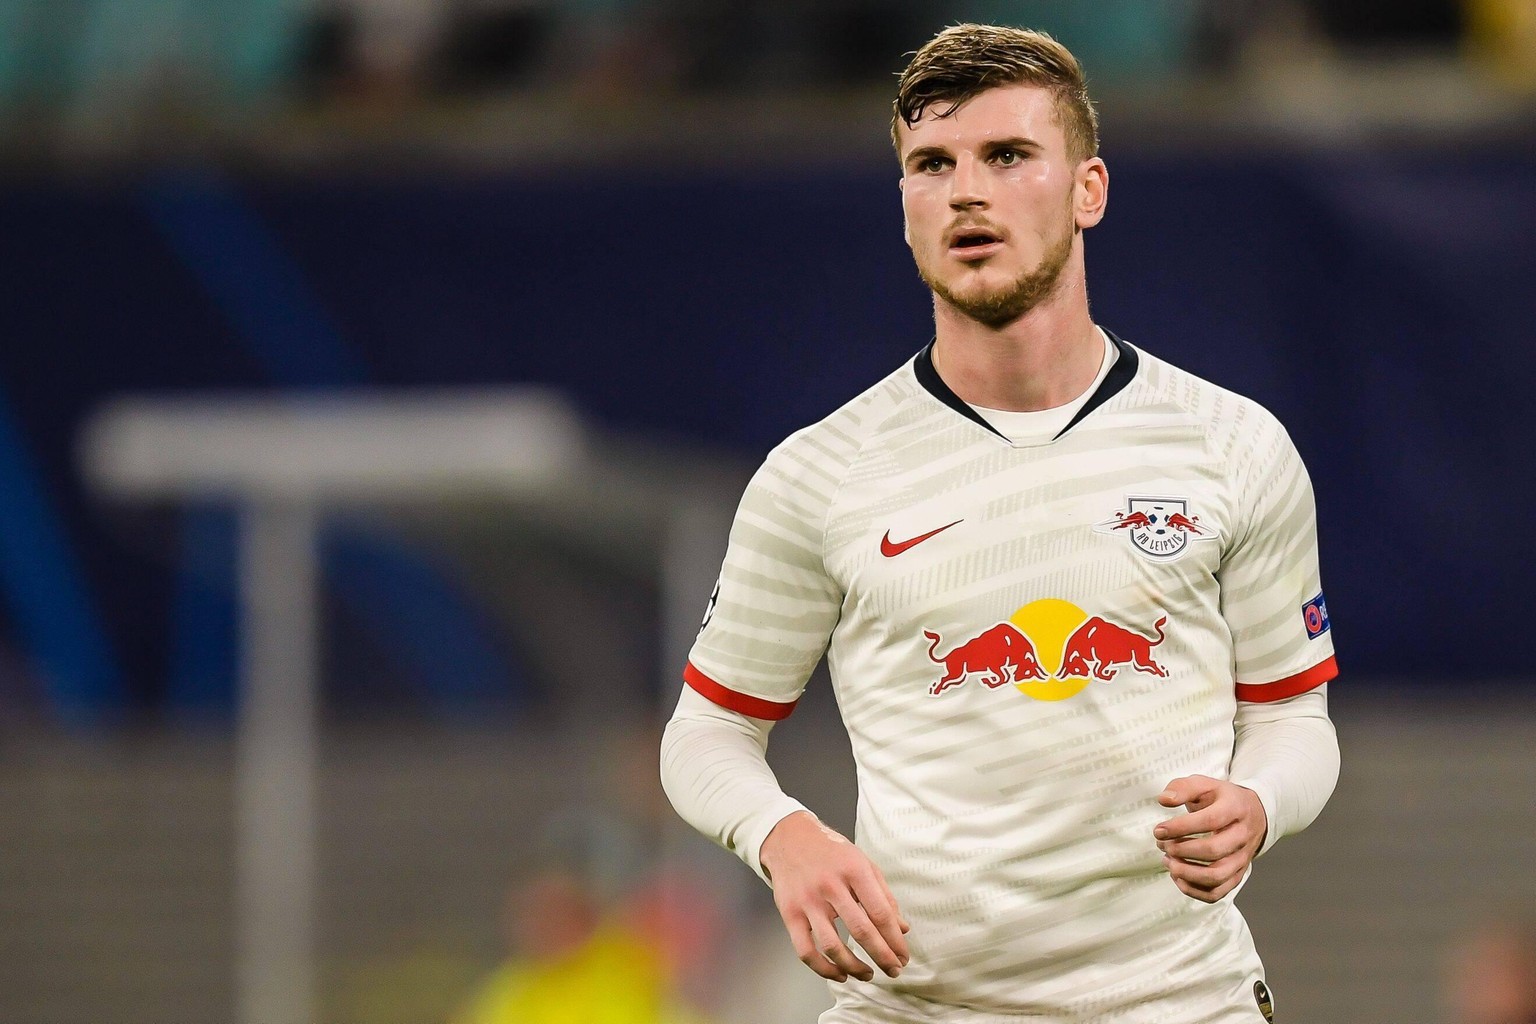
<point>1378,302</point>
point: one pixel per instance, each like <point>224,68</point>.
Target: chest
<point>978,540</point>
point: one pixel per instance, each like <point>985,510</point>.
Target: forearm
<point>714,768</point>
<point>1288,753</point>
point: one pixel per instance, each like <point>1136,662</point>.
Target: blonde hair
<point>965,60</point>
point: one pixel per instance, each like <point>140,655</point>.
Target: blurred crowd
<point>83,62</point>
<point>759,44</point>
<point>614,914</point>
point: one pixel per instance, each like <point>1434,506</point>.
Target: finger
<point>1208,895</point>
<point>897,942</point>
<point>876,901</point>
<point>1202,895</point>
<point>804,941</point>
<point>1205,848</point>
<point>1212,819</point>
<point>1182,791</point>
<point>832,947</point>
<point>1206,877</point>
<point>888,935</point>
<point>805,948</point>
<point>862,928</point>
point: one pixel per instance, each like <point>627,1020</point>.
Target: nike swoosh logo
<point>890,549</point>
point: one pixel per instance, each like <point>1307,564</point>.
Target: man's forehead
<point>1007,110</point>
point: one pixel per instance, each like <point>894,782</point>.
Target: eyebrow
<point>1017,142</point>
<point>922,153</point>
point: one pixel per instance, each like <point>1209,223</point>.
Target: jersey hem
<point>1290,686</point>
<point>755,707</point>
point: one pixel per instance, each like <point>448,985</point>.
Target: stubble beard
<point>1000,307</point>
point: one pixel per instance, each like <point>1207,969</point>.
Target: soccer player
<point>1070,603</point>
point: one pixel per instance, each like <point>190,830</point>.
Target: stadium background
<point>680,219</point>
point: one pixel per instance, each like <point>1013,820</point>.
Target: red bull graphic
<point>1050,650</point>
<point>1100,647</point>
<point>1179,522</point>
<point>1000,655</point>
<point>1129,521</point>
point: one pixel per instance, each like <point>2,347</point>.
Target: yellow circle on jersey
<point>1048,623</point>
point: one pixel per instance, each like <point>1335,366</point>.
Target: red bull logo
<point>1049,649</point>
<point>1003,654</point>
<point>1099,647</point>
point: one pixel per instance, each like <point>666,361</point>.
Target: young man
<point>1070,603</point>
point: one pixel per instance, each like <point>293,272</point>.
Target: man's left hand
<point>1208,849</point>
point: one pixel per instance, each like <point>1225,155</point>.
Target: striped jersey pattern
<point>1027,644</point>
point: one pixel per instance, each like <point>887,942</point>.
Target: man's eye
<point>933,165</point>
<point>1009,157</point>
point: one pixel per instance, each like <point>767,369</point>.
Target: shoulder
<point>818,457</point>
<point>1235,426</point>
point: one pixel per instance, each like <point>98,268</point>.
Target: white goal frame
<point>283,462</point>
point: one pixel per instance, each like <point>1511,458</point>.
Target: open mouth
<point>973,239</point>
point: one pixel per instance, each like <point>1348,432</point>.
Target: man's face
<point>993,203</point>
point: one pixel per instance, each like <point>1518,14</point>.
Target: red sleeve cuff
<point>1290,686</point>
<point>756,707</point>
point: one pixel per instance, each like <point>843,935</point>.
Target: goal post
<point>285,462</point>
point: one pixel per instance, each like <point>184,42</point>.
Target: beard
<point>1002,306</point>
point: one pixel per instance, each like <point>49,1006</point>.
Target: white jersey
<point>1027,644</point>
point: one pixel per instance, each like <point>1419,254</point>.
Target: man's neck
<point>1042,360</point>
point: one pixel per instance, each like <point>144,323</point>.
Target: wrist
<point>1257,799</point>
<point>782,836</point>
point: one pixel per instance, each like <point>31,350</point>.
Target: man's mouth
<point>973,245</point>
<point>973,239</point>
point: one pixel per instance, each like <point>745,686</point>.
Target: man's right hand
<point>819,876</point>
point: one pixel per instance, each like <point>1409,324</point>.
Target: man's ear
<point>906,229</point>
<point>1091,194</point>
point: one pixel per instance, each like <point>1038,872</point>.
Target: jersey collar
<point>1114,382</point>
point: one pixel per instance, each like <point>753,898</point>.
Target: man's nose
<point>968,184</point>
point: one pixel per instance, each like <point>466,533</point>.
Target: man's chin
<point>994,307</point>
<point>977,297</point>
<point>997,301</point>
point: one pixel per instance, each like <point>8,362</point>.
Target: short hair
<point>965,60</point>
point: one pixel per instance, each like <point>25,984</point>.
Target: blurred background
<point>379,377</point>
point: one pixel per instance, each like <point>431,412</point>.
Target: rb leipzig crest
<point>1159,528</point>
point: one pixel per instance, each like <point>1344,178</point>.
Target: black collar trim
<point>1119,375</point>
<point>932,383</point>
<point>1114,382</point>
